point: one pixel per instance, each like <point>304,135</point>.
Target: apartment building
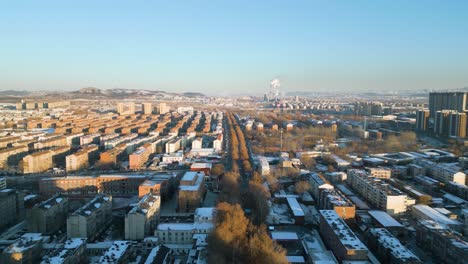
<point>143,218</point>
<point>334,199</point>
<point>44,160</point>
<point>173,145</point>
<point>90,185</point>
<point>380,172</point>
<point>389,249</point>
<point>445,245</point>
<point>218,142</point>
<point>191,191</point>
<point>48,216</point>
<point>138,158</point>
<point>82,159</point>
<point>72,251</point>
<point>147,108</point>
<point>59,141</point>
<point>118,253</point>
<point>183,233</point>
<point>12,205</point>
<point>379,193</point>
<point>197,143</point>
<point>11,156</point>
<point>443,172</point>
<point>25,250</point>
<point>92,219</point>
<point>340,238</point>
<point>90,139</point>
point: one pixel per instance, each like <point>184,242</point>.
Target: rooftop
<point>342,230</point>
<point>92,205</point>
<point>384,219</point>
<point>115,252</point>
<point>390,242</point>
<point>145,203</point>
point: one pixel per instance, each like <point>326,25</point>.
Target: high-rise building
<point>120,108</point>
<point>422,118</point>
<point>163,108</point>
<point>450,123</point>
<point>131,108</point>
<point>457,124</point>
<point>449,100</point>
<point>441,122</point>
<point>147,108</point>
<point>126,108</point>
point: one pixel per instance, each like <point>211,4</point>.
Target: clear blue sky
<point>233,46</point>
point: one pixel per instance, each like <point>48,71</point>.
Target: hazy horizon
<point>234,47</point>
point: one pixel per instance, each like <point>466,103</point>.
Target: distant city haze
<point>234,47</point>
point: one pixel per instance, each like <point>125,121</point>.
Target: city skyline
<point>228,48</point>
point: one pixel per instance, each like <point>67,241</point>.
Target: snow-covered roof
<point>283,235</point>
<point>429,213</point>
<point>387,240</point>
<point>384,219</point>
<point>295,207</point>
<point>115,252</point>
<point>342,230</point>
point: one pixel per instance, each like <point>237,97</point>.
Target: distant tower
<point>131,108</point>
<point>120,108</point>
<point>147,108</point>
<point>162,108</point>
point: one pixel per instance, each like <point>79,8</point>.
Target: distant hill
<point>89,90</point>
<point>14,93</point>
<point>191,94</point>
<point>96,93</point>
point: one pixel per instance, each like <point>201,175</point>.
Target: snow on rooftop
<point>390,242</point>
<point>115,252</point>
<point>185,226</point>
<point>430,213</point>
<point>152,255</point>
<point>384,219</point>
<point>342,230</point>
<point>282,235</point>
<point>205,211</point>
<point>189,176</point>
<point>295,259</point>
<point>295,207</point>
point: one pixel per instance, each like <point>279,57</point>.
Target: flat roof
<point>342,230</point>
<point>283,235</point>
<point>295,206</point>
<point>384,219</point>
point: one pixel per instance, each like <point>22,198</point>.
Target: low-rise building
<point>380,172</point>
<point>12,205</point>
<point>443,172</point>
<point>424,212</point>
<point>82,159</point>
<point>73,251</point>
<point>138,158</point>
<point>191,191</point>
<point>25,250</point>
<point>142,219</point>
<point>118,253</point>
<point>388,248</point>
<point>92,219</point>
<point>340,238</point>
<point>379,193</point>
<point>183,233</point>
<point>48,216</point>
<point>443,244</point>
